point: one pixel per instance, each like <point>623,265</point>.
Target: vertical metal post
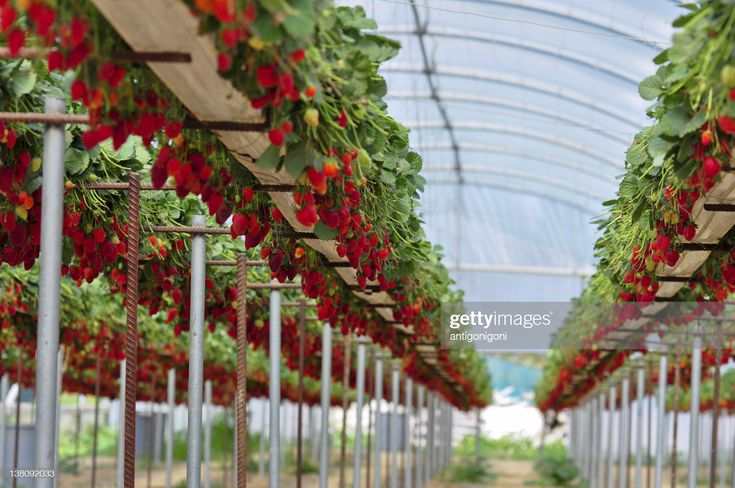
<point>450,434</point>
<point>407,461</point>
<point>600,469</point>
<point>325,400</point>
<point>478,436</point>
<point>120,480</point>
<point>208,435</point>
<point>378,481</point>
<point>261,447</point>
<point>395,398</point>
<point>49,289</point>
<point>429,463</point>
<point>611,430</point>
<point>171,398</point>
<point>313,441</point>
<point>345,406</point>
<point>274,461</point>
<point>660,423</point>
<point>694,413</point>
<point>640,392</point>
<point>715,408</point>
<point>131,325</point>
<point>59,380</point>
<point>96,419</point>
<point>419,432</point>
<point>624,432</point>
<point>300,413</point>
<point>241,398</point>
<point>360,386</point>
<point>4,386</point>
<point>196,356</point>
<point>594,419</point>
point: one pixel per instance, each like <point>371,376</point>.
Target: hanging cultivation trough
<point>148,125</point>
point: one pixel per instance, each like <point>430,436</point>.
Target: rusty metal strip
<point>43,118</point>
<point>131,334</point>
<point>242,398</point>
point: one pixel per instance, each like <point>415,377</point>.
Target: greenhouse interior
<point>367,243</point>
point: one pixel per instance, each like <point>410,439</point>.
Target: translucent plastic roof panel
<point>523,111</point>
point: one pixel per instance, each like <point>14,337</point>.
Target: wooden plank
<point>167,25</point>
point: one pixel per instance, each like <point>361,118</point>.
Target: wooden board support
<point>167,25</point>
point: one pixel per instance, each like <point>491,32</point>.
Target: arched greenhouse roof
<point>522,111</point>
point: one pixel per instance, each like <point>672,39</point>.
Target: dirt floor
<point>510,474</point>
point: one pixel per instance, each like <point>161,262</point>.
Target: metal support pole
<point>593,435</point>
<point>120,480</point>
<point>196,356</point>
<point>96,419</point>
<point>345,406</point>
<point>313,440</point>
<point>261,447</point>
<point>326,397</point>
<point>624,432</point>
<point>378,481</point>
<point>357,469</point>
<point>419,432</point>
<point>59,380</point>
<point>407,461</point>
<point>429,472</point>
<point>49,289</point>
<point>660,423</point>
<point>694,413</point>
<point>4,387</point>
<point>478,436</point>
<point>600,469</point>
<point>241,398</point>
<point>640,392</point>
<point>300,413</point>
<point>171,398</point>
<point>274,461</point>
<point>208,435</point>
<point>611,430</point>
<point>395,429</point>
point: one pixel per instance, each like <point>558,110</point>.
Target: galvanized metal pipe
<point>640,393</point>
<point>395,429</point>
<point>378,481</point>
<point>59,379</point>
<point>660,423</point>
<point>171,400</point>
<point>429,472</point>
<point>120,480</point>
<point>593,441</point>
<point>419,432</point>
<point>274,384</point>
<point>407,461</point>
<point>208,435</point>
<point>357,461</point>
<point>49,289</point>
<point>261,446</point>
<point>4,387</point>
<point>325,400</point>
<point>600,468</point>
<point>611,430</point>
<point>624,432</point>
<point>694,412</point>
<point>196,356</point>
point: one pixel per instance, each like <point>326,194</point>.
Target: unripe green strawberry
<point>728,76</point>
<point>311,117</point>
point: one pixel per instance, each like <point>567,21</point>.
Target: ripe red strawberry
<point>711,167</point>
<point>239,225</point>
<point>276,137</point>
<point>307,216</point>
<point>16,39</point>
<point>55,60</point>
<point>7,17</point>
<point>706,137</point>
<point>726,124</point>
<point>267,75</point>
<point>298,55</point>
<point>224,62</point>
<point>342,119</point>
<point>310,91</point>
<point>317,180</point>
<point>177,295</point>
